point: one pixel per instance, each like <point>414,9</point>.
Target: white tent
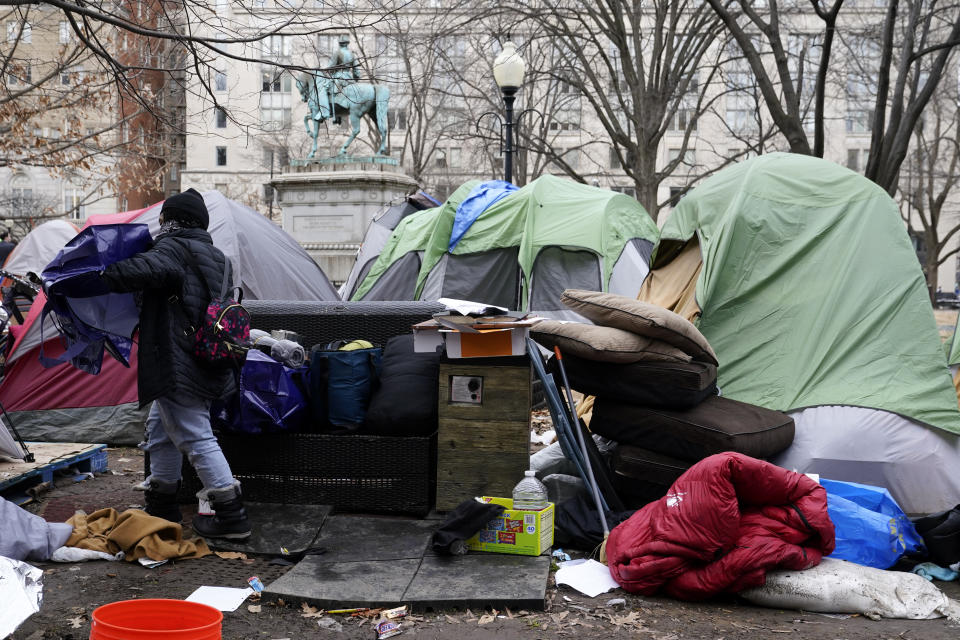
<point>39,247</point>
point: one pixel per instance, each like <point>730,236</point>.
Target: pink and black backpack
<point>222,337</point>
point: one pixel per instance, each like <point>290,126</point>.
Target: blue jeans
<point>178,427</point>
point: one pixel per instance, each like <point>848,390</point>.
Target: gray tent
<point>63,404</point>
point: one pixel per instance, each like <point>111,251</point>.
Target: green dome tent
<point>811,294</point>
<point>524,250</point>
<point>393,275</point>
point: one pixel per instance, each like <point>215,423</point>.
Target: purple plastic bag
<point>89,318</point>
<point>270,398</point>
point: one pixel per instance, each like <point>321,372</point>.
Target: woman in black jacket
<point>177,276</point>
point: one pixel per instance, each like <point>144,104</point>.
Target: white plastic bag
<point>21,593</point>
<point>837,586</point>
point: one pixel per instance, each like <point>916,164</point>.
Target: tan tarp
<point>673,286</point>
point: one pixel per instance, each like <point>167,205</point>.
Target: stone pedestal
<point>327,205</point>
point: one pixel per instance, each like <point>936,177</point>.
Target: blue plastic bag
<point>871,528</point>
<point>89,318</point>
<point>271,398</point>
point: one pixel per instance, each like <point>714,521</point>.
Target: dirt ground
<point>73,591</point>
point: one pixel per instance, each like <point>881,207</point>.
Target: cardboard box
<point>527,533</point>
<point>485,343</point>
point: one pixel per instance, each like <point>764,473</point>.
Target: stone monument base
<point>328,203</point>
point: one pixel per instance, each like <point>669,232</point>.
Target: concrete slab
<point>293,526</point>
<point>480,580</point>
<point>342,585</point>
<point>351,538</point>
<point>374,562</point>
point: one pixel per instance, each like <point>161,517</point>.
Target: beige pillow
<point>604,344</point>
<point>642,318</point>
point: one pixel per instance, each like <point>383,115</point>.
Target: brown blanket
<point>135,533</point>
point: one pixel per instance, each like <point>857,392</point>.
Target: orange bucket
<point>155,620</point>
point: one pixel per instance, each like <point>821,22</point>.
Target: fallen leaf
<point>451,619</point>
<point>253,608</point>
<point>76,623</point>
<point>231,555</point>
<point>486,618</point>
<point>310,612</point>
<point>77,610</point>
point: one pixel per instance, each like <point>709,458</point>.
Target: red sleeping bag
<point>724,523</point>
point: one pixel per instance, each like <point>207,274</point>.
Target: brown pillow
<point>604,344</point>
<point>642,318</point>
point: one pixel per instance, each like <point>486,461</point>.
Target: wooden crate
<point>483,444</point>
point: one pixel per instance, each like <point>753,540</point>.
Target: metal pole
<point>508,97</point>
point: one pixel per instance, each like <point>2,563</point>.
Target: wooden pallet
<point>17,476</point>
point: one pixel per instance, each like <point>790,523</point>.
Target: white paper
<point>222,598</point>
<point>468,308</point>
<point>21,592</point>
<point>589,577</point>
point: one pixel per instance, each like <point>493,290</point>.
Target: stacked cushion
<point>654,377</point>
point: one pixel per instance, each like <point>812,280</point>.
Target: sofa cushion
<point>642,318</point>
<point>603,344</point>
<point>715,425</point>
<point>672,385</point>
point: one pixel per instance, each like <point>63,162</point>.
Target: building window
<point>276,46</point>
<point>627,191</point>
<point>440,160</point>
<point>689,156</point>
<point>64,32</point>
<point>73,203</point>
<point>220,81</point>
<point>686,111</point>
<point>268,193</point>
<point>857,159</point>
<point>221,156</point>
<point>13,32</point>
<point>20,73</point>
<point>221,117</point>
<point>675,194</point>
<point>453,157</point>
<point>397,119</point>
<point>275,100</point>
<point>221,187</point>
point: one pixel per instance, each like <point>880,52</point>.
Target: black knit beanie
<point>187,208</point>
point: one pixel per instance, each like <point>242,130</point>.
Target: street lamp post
<point>508,68</point>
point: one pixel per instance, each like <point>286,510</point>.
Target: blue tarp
<point>477,201</point>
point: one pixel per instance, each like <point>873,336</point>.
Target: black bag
<point>405,403</point>
<point>715,425</point>
<point>642,476</point>
<point>941,535</point>
<point>673,385</point>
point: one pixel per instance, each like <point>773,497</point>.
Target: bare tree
<point>27,210</point>
<point>642,68</point>
<point>92,84</point>
<point>899,63</point>
<point>929,180</point>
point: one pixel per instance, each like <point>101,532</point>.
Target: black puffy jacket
<point>166,366</point>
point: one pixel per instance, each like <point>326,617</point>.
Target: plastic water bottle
<point>530,494</point>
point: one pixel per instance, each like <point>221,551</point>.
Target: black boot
<point>229,519</point>
<point>161,500</point>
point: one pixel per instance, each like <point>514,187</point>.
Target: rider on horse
<point>344,68</point>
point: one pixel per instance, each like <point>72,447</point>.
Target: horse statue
<point>355,99</point>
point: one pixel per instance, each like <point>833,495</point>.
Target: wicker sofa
<point>355,472</point>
